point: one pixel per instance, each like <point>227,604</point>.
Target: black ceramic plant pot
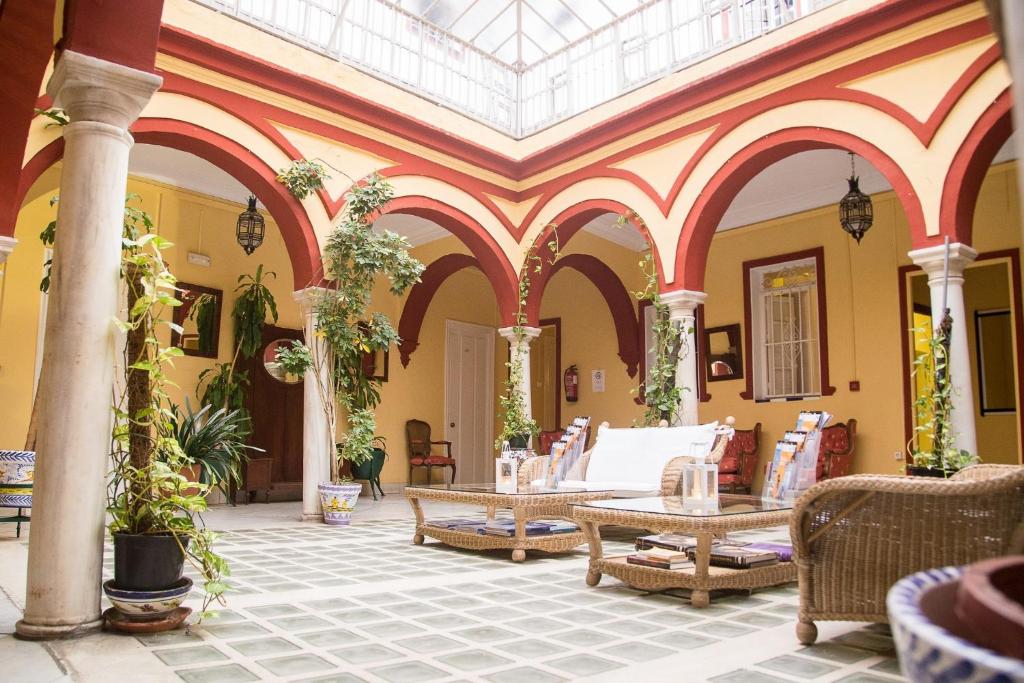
<point>370,470</point>
<point>145,562</point>
<point>929,472</point>
<point>519,442</point>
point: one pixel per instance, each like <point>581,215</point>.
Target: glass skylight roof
<point>519,65</point>
<point>520,31</point>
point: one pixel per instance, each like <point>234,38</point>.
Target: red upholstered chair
<point>546,439</point>
<point>736,469</point>
<point>417,437</point>
<point>836,452</point>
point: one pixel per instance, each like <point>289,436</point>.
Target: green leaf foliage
<point>303,178</point>
<point>215,440</point>
<point>252,307</point>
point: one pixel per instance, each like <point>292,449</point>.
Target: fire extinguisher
<point>571,379</point>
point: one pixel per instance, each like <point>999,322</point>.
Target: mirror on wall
<point>724,357</point>
<point>199,319</point>
<point>994,332</point>
<point>274,368</point>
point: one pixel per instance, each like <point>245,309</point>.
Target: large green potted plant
<point>154,510</point>
<point>214,442</point>
<point>355,256</point>
<point>933,449</point>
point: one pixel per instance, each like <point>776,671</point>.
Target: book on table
<point>734,557</point>
<point>645,561</point>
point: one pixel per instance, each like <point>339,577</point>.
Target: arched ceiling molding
<point>568,223</point>
<point>622,195</point>
<point>706,213</point>
<point>203,116</point>
<point>26,44</point>
<point>420,296</point>
<point>620,303</point>
<point>481,244</point>
<point>235,160</point>
<point>967,172</point>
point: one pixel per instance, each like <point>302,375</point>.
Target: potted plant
<point>354,257</point>
<point>933,450</point>
<point>517,426</point>
<point>371,468</point>
<point>154,510</point>
<point>214,442</point>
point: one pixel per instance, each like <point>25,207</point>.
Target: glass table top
<point>675,505</point>
<point>492,488</point>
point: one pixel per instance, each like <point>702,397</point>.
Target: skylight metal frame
<point>430,61</point>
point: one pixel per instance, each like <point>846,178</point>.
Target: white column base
<point>26,631</point>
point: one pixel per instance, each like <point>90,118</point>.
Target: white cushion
<point>639,455</point>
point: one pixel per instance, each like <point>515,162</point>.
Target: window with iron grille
<point>786,349</point>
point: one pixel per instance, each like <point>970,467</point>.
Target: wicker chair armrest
<point>672,475</point>
<point>531,469</point>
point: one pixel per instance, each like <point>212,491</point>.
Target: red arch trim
<point>232,158</point>
<point>967,172</point>
<point>706,213</point>
<point>422,294</point>
<point>568,223</point>
<point>620,304</point>
<point>481,243</point>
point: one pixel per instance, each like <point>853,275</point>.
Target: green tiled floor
<point>387,611</point>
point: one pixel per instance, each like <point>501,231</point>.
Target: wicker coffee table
<point>528,503</point>
<point>667,515</point>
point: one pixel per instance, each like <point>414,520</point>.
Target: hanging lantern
<point>855,211</point>
<point>250,228</point>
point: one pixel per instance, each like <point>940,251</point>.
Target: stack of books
<point>535,528</point>
<point>736,557</point>
<point>676,542</point>
<point>661,558</point>
<point>452,523</point>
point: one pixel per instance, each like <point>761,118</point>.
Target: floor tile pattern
<point>363,604</point>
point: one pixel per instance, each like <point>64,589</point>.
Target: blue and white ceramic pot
<point>338,501</point>
<point>926,632</point>
<point>18,468</point>
<point>147,605</point>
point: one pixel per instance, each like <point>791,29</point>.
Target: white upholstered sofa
<point>642,461</point>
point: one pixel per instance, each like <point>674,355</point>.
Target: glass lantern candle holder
<point>700,485</point>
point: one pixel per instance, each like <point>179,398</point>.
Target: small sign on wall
<point>597,381</point>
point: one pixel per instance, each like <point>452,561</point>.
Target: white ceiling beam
<point>488,24</point>
<point>544,19</point>
<point>463,13</point>
<point>578,17</point>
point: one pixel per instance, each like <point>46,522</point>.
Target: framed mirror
<point>199,318</point>
<point>724,353</point>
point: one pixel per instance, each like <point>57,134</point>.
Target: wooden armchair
<point>854,537</point>
<point>836,453</point>
<point>417,437</point>
<point>737,467</point>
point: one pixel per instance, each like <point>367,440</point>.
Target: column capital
<point>92,89</point>
<point>933,259</point>
<point>682,302</point>
<point>528,334</point>
<point>7,245</point>
<point>307,297</point>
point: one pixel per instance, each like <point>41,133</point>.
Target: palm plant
<point>214,440</point>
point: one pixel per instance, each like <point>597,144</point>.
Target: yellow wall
<point>193,222</point>
<point>863,310</point>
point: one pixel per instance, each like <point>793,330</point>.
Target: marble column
<point>66,549</point>
<point>519,345</point>
<point>317,432</point>
<point>932,261</point>
<point>682,311</point>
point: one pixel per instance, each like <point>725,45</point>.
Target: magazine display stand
<point>566,451</point>
<point>793,468</point>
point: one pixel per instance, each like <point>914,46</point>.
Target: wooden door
<point>469,399</point>
<point>276,410</point>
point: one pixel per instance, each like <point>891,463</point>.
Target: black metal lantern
<point>855,211</point>
<point>250,227</point>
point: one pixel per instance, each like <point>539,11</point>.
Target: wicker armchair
<point>854,537</point>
